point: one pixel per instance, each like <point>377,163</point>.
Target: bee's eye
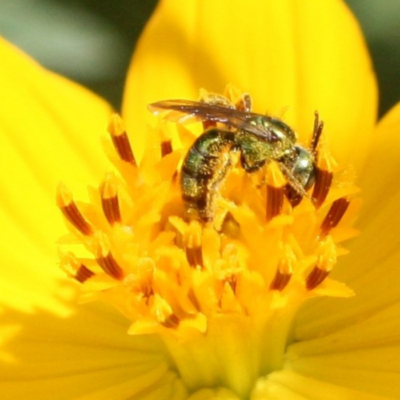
<point>303,168</point>
<point>311,179</point>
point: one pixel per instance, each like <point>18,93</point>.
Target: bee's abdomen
<point>203,171</point>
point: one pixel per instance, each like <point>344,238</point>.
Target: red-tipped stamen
<point>275,191</point>
<point>322,185</point>
<point>166,147</point>
<point>335,214</point>
<point>324,177</point>
<point>120,139</point>
<point>315,277</point>
<point>71,212</point>
<point>172,321</point>
<point>285,270</point>
<point>325,263</point>
<point>106,260</point>
<point>109,200</point>
<point>74,268</point>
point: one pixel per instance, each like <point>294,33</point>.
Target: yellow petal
<point>49,130</point>
<point>87,356</point>
<point>288,385</point>
<point>289,55</point>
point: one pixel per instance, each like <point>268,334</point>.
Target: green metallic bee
<point>258,139</point>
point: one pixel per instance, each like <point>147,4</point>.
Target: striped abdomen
<point>203,171</point>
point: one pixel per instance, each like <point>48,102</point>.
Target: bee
<point>258,139</point>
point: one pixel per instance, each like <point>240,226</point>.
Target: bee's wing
<point>185,111</point>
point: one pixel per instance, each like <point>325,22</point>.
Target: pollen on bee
<point>71,212</point>
<point>120,139</point>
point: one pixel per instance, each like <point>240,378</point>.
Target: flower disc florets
<point>227,287</point>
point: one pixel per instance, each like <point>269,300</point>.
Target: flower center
<point>214,243</point>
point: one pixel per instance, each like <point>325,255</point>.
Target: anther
<point>335,214</point>
<point>194,256</point>
<point>323,181</point>
<point>315,277</point>
<point>166,147</point>
<point>193,245</point>
<point>172,321</point>
<point>280,281</point>
<point>324,176</point>
<point>107,262</point>
<point>74,268</point>
<point>325,263</point>
<point>109,199</point>
<point>110,266</point>
<point>293,196</point>
<point>120,139</point>
<point>284,271</point>
<point>71,212</point>
<point>275,191</point>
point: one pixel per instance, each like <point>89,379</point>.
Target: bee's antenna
<point>317,131</point>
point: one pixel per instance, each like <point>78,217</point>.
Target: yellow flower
<point>203,323</point>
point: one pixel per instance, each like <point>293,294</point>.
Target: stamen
<point>316,276</point>
<point>232,282</point>
<point>109,199</point>
<point>120,139</point>
<point>107,262</point>
<point>322,185</point>
<point>324,177</point>
<point>166,147</point>
<point>292,195</point>
<point>275,191</point>
<point>83,274</point>
<point>280,280</point>
<point>194,256</point>
<point>284,271</point>
<point>209,124</point>
<point>71,212</point>
<point>194,252</point>
<point>172,321</point>
<point>325,263</point>
<point>74,268</point>
<point>110,266</point>
<point>335,214</point>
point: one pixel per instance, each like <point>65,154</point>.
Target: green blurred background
<point>91,41</point>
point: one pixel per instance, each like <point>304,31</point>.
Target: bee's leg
<point>248,164</point>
